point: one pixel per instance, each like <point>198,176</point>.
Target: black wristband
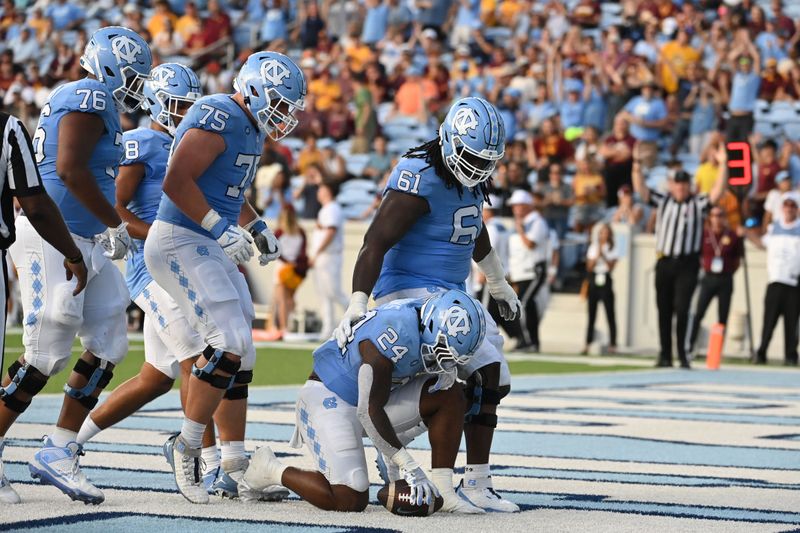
<point>75,260</point>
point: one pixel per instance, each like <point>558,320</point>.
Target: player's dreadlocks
<point>431,152</point>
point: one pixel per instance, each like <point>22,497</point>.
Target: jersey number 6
<point>466,225</point>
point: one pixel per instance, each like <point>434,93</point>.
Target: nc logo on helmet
<point>162,76</point>
<point>274,72</point>
<point>465,120</point>
<point>456,321</point>
<point>125,49</point>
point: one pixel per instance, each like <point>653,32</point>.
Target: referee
<point>19,178</point>
<point>680,216</point>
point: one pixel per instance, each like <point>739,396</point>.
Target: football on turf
<point>396,497</point>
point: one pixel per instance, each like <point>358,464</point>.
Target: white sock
<point>211,458</point>
<point>61,437</point>
<point>232,449</point>
<point>88,430</point>
<point>443,479</point>
<point>192,432</point>
<point>475,473</point>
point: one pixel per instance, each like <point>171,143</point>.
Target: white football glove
<point>265,241</point>
<point>237,244</point>
<point>117,243</point>
<point>507,301</point>
<point>423,491</point>
<point>235,241</point>
<point>354,311</point>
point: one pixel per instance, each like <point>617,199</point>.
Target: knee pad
<point>217,361</point>
<point>24,378</point>
<point>98,376</point>
<point>478,396</point>
<point>358,480</point>
<point>238,389</point>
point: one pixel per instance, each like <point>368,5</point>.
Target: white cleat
<point>234,470</point>
<point>57,466</point>
<point>483,495</point>
<point>7,493</point>
<point>186,465</point>
<point>264,471</point>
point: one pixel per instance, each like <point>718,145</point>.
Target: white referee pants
<point>52,316</point>
<point>327,274</point>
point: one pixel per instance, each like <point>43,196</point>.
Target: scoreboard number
<point>740,167</point>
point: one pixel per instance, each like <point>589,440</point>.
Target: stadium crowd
<point>584,88</point>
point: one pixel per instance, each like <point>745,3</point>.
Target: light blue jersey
<point>437,250</point>
<point>150,148</point>
<point>226,180</point>
<point>394,330</point>
<point>82,96</point>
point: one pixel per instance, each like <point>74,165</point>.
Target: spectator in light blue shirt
<point>432,13</point>
<point>274,25</point>
<point>647,115</point>
<point>508,108</point>
<point>540,109</point>
<point>572,107</point>
<point>768,44</point>
<point>375,22</point>
<point>468,19</point>
<point>65,16</point>
<point>744,91</point>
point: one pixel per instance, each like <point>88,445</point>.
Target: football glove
<point>423,491</point>
<point>117,243</point>
<point>235,241</point>
<point>265,241</point>
<point>507,301</point>
<point>354,311</point>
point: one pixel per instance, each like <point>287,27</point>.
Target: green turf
<point>279,366</point>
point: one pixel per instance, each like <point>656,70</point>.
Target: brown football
<point>396,497</point>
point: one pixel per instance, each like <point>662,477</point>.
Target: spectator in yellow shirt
<point>325,89</point>
<point>706,174</point>
<point>359,55</point>
<point>674,60</point>
<point>189,24</point>
<point>158,22</point>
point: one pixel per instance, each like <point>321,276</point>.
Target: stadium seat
<point>762,110</point>
<point>657,177</point>
<point>792,130</point>
<point>325,142</point>
<point>293,143</point>
<point>359,185</point>
<point>401,146</point>
<point>765,129</point>
<point>356,163</point>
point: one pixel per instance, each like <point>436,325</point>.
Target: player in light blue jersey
<point>394,379</point>
<point>170,343</point>
<point>425,234</point>
<point>78,145</point>
<point>196,242</point>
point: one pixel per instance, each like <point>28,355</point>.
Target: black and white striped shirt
<point>679,225</point>
<point>18,173</point>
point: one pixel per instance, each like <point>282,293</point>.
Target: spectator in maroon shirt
<point>216,26</point>
<point>339,124</point>
<point>722,252</point>
<point>782,22</point>
<point>768,167</point>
